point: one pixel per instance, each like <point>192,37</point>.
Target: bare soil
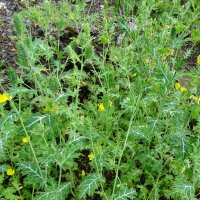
<point>7,45</point>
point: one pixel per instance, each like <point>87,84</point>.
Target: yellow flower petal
<point>110,103</point>
<point>25,139</point>
<point>5,97</point>
<point>91,156</point>
<point>82,173</point>
<point>101,107</point>
<point>10,172</point>
<point>183,89</point>
<point>198,100</point>
<point>195,98</point>
<point>51,109</point>
<point>171,52</point>
<point>177,86</point>
<point>198,59</point>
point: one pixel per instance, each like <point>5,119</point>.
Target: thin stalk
<point>125,143</point>
<point>33,190</point>
<point>60,176</point>
<point>157,179</point>
<point>97,168</point>
<point>27,135</point>
<point>79,83</point>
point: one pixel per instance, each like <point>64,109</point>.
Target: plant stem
<point>125,143</point>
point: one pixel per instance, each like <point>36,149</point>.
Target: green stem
<point>125,143</point>
<point>97,168</point>
<point>27,135</point>
<point>60,176</point>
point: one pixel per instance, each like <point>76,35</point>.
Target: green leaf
<point>73,55</point>
<point>12,74</point>
<point>181,190</point>
<point>53,84</point>
<point>89,52</point>
<point>9,194</point>
<point>125,193</point>
<point>1,178</point>
<point>195,35</point>
<point>34,119</point>
<point>33,175</point>
<point>19,24</point>
<point>65,156</point>
<point>22,54</point>
<point>54,193</point>
<point>89,185</point>
<point>104,39</point>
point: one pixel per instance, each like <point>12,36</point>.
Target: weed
<point>99,108</point>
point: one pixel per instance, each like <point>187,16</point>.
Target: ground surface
<point>7,44</point>
<point>7,9</point>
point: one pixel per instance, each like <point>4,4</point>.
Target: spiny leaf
<point>34,119</point>
<point>73,55</point>
<point>9,193</point>
<point>54,193</point>
<point>1,178</point>
<point>89,185</point>
<point>125,193</point>
<point>12,74</point>
<point>23,54</point>
<point>65,156</point>
<point>33,174</point>
<point>182,189</point>
<point>19,24</point>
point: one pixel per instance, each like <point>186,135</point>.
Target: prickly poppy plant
<point>103,104</point>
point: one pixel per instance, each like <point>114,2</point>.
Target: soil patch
<point>7,45</point>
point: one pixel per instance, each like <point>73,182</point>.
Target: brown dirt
<point>7,9</point>
<point>191,61</point>
<point>7,45</point>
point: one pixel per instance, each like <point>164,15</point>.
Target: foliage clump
<point>101,106</point>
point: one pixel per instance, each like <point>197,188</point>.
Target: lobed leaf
<point>125,193</point>
<point>91,183</point>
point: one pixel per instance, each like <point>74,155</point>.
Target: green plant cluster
<point>100,105</point>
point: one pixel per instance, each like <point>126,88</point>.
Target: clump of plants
<point>100,105</point>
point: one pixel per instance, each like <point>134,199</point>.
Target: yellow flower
<point>26,139</point>
<point>91,156</point>
<point>5,97</point>
<point>177,86</point>
<point>10,172</point>
<point>51,109</point>
<point>101,107</point>
<point>110,103</point>
<point>171,52</point>
<point>195,98</point>
<point>198,59</point>
<point>183,89</point>
<point>82,173</point>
